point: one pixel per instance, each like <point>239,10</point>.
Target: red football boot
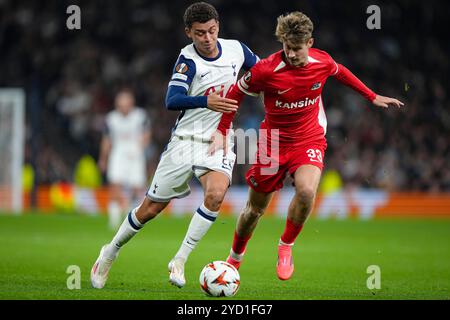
<point>285,264</point>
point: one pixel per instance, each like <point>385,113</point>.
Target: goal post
<point>12,141</point>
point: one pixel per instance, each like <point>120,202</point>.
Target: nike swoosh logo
<point>202,75</point>
<point>191,241</point>
<point>284,91</point>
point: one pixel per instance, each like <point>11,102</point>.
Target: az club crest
<point>316,86</point>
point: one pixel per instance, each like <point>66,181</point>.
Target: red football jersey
<point>292,95</point>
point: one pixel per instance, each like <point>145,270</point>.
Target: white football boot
<point>100,269</point>
<point>176,270</point>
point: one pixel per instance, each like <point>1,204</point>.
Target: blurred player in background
<point>122,154</point>
<point>291,80</point>
<point>204,72</point>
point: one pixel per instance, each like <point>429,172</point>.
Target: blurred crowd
<point>71,77</point>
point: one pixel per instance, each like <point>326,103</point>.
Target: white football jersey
<point>126,132</point>
<point>202,76</point>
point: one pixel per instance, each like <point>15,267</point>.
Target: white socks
<point>130,226</point>
<point>201,221</point>
<point>200,224</point>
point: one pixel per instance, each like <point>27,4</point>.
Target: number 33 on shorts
<point>315,155</point>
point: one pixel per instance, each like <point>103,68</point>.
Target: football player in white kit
<point>122,154</point>
<point>203,74</point>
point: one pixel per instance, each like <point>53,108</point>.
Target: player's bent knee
<point>305,194</point>
<point>214,199</point>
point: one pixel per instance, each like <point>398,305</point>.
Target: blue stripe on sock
<point>130,220</point>
<point>204,215</point>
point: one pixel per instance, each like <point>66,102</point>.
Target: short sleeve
<point>250,59</point>
<point>183,73</point>
<point>251,83</point>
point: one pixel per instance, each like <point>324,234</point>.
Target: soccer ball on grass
<point>219,279</point>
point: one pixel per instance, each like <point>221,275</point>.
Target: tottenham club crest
<point>233,65</point>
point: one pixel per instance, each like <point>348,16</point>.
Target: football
<point>219,279</point>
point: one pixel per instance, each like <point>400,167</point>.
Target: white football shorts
<point>183,159</point>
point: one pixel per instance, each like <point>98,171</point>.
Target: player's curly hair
<point>294,28</point>
<point>199,12</point>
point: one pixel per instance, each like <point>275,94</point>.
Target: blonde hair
<point>294,28</point>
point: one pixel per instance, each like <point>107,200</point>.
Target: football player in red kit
<point>291,81</point>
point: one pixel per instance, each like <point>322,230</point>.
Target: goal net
<point>12,127</point>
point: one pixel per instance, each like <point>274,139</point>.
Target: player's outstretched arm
<point>177,99</point>
<point>349,79</point>
<point>385,102</point>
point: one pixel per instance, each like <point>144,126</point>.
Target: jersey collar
<point>210,59</point>
<point>288,65</point>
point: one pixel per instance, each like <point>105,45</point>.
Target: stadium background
<point>379,163</point>
<point>70,78</point>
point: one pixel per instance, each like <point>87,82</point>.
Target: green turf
<point>331,258</point>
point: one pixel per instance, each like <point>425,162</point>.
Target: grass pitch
<point>331,259</point>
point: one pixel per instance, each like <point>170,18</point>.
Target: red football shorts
<point>270,170</point>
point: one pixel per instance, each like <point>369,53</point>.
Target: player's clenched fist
<point>220,104</point>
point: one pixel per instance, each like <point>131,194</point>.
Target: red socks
<point>291,232</point>
<point>240,243</point>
